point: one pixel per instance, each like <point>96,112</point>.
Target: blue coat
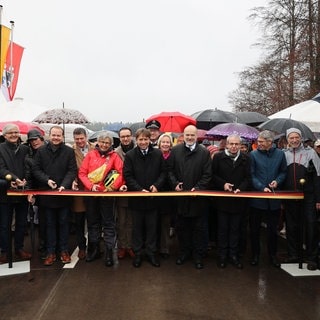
<point>267,166</point>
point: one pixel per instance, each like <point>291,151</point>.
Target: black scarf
<point>127,148</point>
<point>103,153</point>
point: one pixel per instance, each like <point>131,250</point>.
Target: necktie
<point>144,152</point>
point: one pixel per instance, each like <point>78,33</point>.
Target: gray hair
<point>267,135</point>
<point>9,127</point>
<point>233,136</point>
<point>105,135</point>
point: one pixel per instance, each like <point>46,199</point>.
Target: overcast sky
<point>126,60</point>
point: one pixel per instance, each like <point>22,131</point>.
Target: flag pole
<point>11,59</point>
<point>63,125</point>
<point>1,9</point>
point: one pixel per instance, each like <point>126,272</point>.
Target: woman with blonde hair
<point>167,205</point>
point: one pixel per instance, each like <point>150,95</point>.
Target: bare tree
<point>290,71</point>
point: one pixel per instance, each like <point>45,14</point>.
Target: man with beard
<point>190,170</point>
<point>123,213</point>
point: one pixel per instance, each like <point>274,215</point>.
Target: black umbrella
<point>206,119</point>
<point>93,137</point>
<point>251,118</point>
<point>281,125</point>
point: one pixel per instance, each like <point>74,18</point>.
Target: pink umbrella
<point>240,129</point>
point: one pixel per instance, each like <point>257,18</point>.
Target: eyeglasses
<point>104,142</point>
<point>123,137</point>
<point>13,132</point>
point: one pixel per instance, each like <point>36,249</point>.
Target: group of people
<point>139,225</point>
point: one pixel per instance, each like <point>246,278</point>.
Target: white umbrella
<point>307,112</point>
<point>61,116</point>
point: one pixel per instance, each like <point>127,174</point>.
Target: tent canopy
<point>307,112</point>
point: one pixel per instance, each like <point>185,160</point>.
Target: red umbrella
<point>173,121</point>
<point>24,127</point>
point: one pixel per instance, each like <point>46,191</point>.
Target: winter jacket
<point>12,161</point>
<point>59,165</point>
<point>267,166</point>
<point>193,169</point>
<point>93,160</point>
<point>78,204</point>
<point>303,163</point>
<point>226,170</point>
<point>142,171</point>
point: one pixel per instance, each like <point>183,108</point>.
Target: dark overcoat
<point>225,170</point>
<point>193,170</point>
<point>12,161</point>
<point>59,165</point>
<point>140,172</point>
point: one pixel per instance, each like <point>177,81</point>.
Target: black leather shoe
<point>254,261</point>
<point>222,263</point>
<point>109,258</point>
<point>275,262</point>
<point>198,264</point>
<point>236,262</point>
<point>137,261</point>
<point>312,266</point>
<point>153,261</point>
<point>165,255</point>
<point>93,252</point>
<point>181,260</point>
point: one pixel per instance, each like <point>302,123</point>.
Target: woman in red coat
<point>94,171</point>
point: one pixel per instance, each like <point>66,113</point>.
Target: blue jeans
<point>6,213</point>
<point>53,217</point>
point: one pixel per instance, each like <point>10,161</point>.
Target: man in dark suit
<point>12,157</point>
<point>144,170</point>
<point>190,170</point>
<point>230,173</point>
<point>55,168</point>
